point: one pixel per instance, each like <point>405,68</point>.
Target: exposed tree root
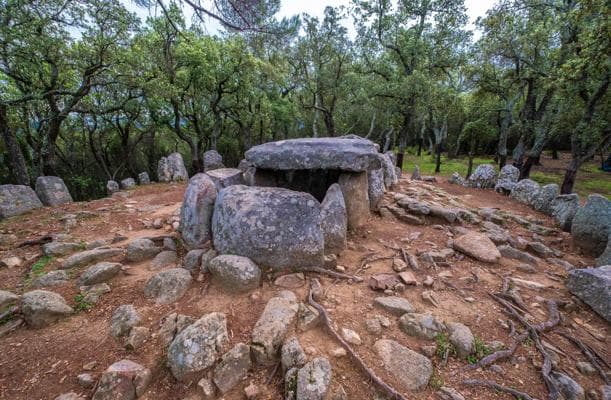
<point>41,240</point>
<point>591,355</point>
<point>389,391</point>
<point>337,275</point>
<point>493,385</point>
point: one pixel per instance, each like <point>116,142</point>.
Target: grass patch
<point>480,350</point>
<point>436,382</point>
<point>444,346</point>
<point>81,303</point>
<point>38,268</point>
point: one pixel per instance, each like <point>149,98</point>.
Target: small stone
<point>235,273</point>
<point>462,339</point>
<point>141,249</point>
<point>412,370</point>
<point>313,380</point>
<point>11,262</point>
<point>206,388</point>
<point>41,308</point>
<point>292,354</point>
<point>373,326</point>
<point>424,326</point>
<point>308,317</point>
<point>585,368</point>
<point>137,336</point>
<point>232,368</point>
<point>51,278</point>
<point>408,278</point>
<point>86,380</point>
<point>251,391</point>
<point>168,286</point>
<point>394,305</point>
<point>339,352</point>
<point>398,265</point>
<point>351,336</point>
<point>527,268</point>
<point>99,273</point>
<point>69,396</point>
<point>290,281</point>
<point>428,351</point>
<point>123,319</point>
<point>124,379</point>
<point>166,258</point>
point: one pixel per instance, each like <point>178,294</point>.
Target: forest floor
<point>590,178</point>
<point>43,363</point>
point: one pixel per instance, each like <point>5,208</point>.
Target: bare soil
<point>43,363</point>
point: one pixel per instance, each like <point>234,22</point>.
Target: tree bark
<point>19,168</point>
<point>570,176</point>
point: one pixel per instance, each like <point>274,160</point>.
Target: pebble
<point>339,352</point>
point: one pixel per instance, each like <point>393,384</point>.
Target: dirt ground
<point>43,363</point>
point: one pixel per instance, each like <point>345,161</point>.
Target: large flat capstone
<point>274,227</point>
<point>316,153</point>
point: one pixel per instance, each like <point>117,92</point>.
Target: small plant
<point>481,349</point>
<point>38,268</point>
<point>81,303</point>
<point>444,347</point>
<point>82,245</point>
<point>436,381</point>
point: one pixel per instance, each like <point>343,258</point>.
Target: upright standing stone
<point>355,190</point>
<point>593,286</point>
<point>274,227</point>
<point>390,175</point>
<point>196,211</point>
<point>563,209</point>
<point>128,183</point>
<point>525,191</point>
<point>508,177</point>
<point>112,187</point>
<point>172,169</point>
<point>484,177</point>
<point>375,179</point>
<point>223,177</point>
<point>17,199</point>
<point>543,200</point>
<point>52,191</point>
<point>334,220</point>
<point>212,160</point>
<point>143,178</point>
<point>592,225</point>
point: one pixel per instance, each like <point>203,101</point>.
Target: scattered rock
<point>540,249</point>
<point>273,227</point>
<point>41,308</point>
<point>123,380</point>
<point>510,252</point>
<point>112,187</point>
<point>593,286</point>
<point>58,249</point>
<point>394,305</point>
<point>143,178</point>
<point>193,260</point>
<point>11,262</point>
<point>591,225</point>
<point>412,370</point>
<point>235,273</point>
<point>123,319</point>
<point>251,391</point>
<point>351,336</point>
<point>477,246</point>
<point>529,269</point>
<point>86,380</point>
<point>206,388</point>
<point>212,160</point>
<point>164,259</point>
<point>585,368</point>
<point>308,317</point>
<point>141,249</point>
<point>52,191</point>
<point>569,389</point>
<point>69,396</point>
<point>99,273</point>
<point>51,278</point>
<point>128,183</point>
<point>206,258</point>
<point>290,281</point>
<point>292,355</point>
<point>334,220</point>
<point>271,328</point>
<point>508,177</point>
<point>92,294</point>
<point>137,336</point>
<point>543,200</point>
<point>90,256</point>
<point>484,177</point>
<point>462,339</point>
<point>446,393</point>
<point>16,200</point>
<point>383,281</point>
<point>197,346</point>
<point>7,299</point>
<point>313,380</point>
<point>168,286</point>
<point>172,169</point>
<point>423,326</point>
<point>232,368</point>
<point>456,179</point>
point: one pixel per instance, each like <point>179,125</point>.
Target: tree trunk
<point>18,166</point>
<point>527,166</point>
<point>470,166</point>
<point>569,177</point>
<point>438,158</point>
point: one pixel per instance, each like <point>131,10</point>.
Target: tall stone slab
<point>16,200</point>
<point>354,187</point>
<point>52,191</point>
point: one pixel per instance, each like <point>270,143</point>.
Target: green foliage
<point>436,382</point>
<point>480,351</point>
<point>81,304</point>
<point>444,347</point>
<point>38,268</point>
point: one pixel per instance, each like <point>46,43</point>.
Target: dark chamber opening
<point>313,181</point>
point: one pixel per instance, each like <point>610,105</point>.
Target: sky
<point>475,8</point>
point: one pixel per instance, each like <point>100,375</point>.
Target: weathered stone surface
<point>313,380</point>
<point>316,153</point>
<point>477,246</point>
<point>525,191</point>
<point>112,187</point>
<point>143,178</point>
<point>69,396</point>
<point>41,308</point>
<point>52,191</point>
<point>510,252</point>
<point>591,225</point>
<point>540,249</point>
<point>563,209</point>
<point>390,175</point>
<point>206,258</point>
<point>605,257</point>
<point>141,249</point>
<point>93,293</point>
<point>375,180</point>
<point>394,305</point>
<point>235,273</point>
<point>292,354</point>
<point>423,326</point>
<point>508,177</point>
<point>456,179</point>
<point>274,227</point>
<point>271,328</point>
<point>16,200</point>
<point>128,183</point>
<point>290,281</point>
<point>99,273</point>
<point>543,200</point>
<point>484,177</point>
<point>193,260</point>
<point>334,220</point>
<point>168,286</point>
<point>412,370</point>
<point>172,169</point>
<point>462,339</point>
<point>57,249</point>
<point>224,177</point>
<point>51,278</point>
<point>569,389</point>
<point>123,380</point>
<point>593,286</point>
<point>212,160</point>
<point>137,336</point>
<point>7,298</point>
<point>123,319</point>
<point>232,368</point>
<point>196,211</point>
<point>355,189</point>
<point>198,345</point>
<point>90,256</point>
<point>447,393</point>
